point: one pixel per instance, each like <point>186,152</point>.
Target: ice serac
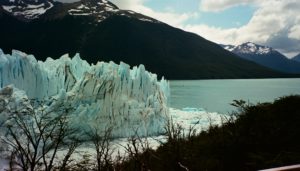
<point>102,95</point>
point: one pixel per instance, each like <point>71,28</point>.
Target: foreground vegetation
<point>262,136</point>
<point>255,137</point>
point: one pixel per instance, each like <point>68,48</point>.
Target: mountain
<point>100,31</point>
<point>26,9</point>
<point>296,58</point>
<point>265,56</point>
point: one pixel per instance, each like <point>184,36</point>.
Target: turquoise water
<point>216,95</point>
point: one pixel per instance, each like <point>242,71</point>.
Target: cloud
<point>128,4</point>
<point>275,23</point>
<point>284,44</point>
<point>294,32</point>
<point>220,5</point>
<point>168,16</point>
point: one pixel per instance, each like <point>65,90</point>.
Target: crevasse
<point>102,95</point>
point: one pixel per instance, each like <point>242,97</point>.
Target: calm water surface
<point>216,95</point>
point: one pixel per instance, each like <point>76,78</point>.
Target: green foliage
<point>262,136</point>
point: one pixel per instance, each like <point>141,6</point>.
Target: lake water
<point>216,95</point>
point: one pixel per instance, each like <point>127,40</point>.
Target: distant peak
<point>24,2</point>
<point>228,47</point>
<point>252,48</point>
<point>250,44</point>
<point>102,9</point>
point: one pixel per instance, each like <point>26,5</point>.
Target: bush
<point>262,136</point>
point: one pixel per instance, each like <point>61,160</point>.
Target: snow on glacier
<point>102,95</point>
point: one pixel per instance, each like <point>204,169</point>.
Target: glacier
<point>130,100</point>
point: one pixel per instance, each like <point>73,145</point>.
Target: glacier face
<point>102,95</point>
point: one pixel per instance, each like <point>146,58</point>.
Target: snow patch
<point>229,47</point>
<point>250,44</point>
<point>82,7</point>
<point>131,12</point>
<point>249,48</point>
<point>145,19</point>
<point>35,6</point>
<point>29,12</point>
<point>74,10</point>
<point>8,8</point>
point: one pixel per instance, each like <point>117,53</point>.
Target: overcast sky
<point>275,23</point>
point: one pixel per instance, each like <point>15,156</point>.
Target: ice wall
<point>102,95</point>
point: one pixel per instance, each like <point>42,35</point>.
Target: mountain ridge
<point>265,56</point>
<point>125,36</point>
<point>26,10</point>
<point>296,58</point>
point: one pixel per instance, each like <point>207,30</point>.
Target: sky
<point>274,23</point>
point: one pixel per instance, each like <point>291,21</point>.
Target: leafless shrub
<point>102,143</point>
<point>36,135</point>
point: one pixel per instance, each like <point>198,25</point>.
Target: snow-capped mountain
<point>102,9</point>
<point>26,9</point>
<point>99,9</point>
<point>100,31</point>
<point>249,48</point>
<point>297,58</point>
<point>265,56</point>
